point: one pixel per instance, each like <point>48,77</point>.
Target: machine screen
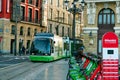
<point>110,52</point>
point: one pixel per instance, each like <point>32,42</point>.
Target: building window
<point>23,1</point>
<point>30,15</point>
<point>51,2</point>
<point>41,30</point>
<point>30,2</point>
<point>28,46</point>
<point>63,5</point>
<point>57,30</point>
<point>8,6</point>
<point>35,31</point>
<point>62,31</point>
<point>37,3</point>
<point>58,12</point>
<point>63,17</point>
<point>28,33</point>
<point>0,5</point>
<point>21,30</point>
<point>68,32</point>
<point>13,29</point>
<point>36,16</point>
<point>58,4</point>
<point>51,11</point>
<point>50,29</point>
<point>106,16</point>
<point>22,13</point>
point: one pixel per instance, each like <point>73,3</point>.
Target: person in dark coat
<point>79,53</point>
<point>23,50</point>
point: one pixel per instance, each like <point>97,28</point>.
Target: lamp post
<point>15,30</point>
<point>17,11</point>
<point>74,10</point>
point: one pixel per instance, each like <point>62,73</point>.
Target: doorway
<point>106,23</point>
<point>12,46</point>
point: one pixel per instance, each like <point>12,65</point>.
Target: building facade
<point>60,20</point>
<point>100,16</point>
<point>20,20</point>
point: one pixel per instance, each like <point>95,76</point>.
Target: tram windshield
<point>41,46</point>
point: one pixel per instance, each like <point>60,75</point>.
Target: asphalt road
<point>35,71</point>
<point>11,60</point>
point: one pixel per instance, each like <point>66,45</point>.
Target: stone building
<point>19,21</point>
<point>100,16</point>
<point>59,20</point>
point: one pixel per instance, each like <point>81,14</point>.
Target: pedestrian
<point>23,50</point>
<point>79,53</point>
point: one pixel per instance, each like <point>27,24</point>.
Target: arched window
<point>68,32</point>
<point>35,31</point>
<point>106,16</point>
<point>28,33</point>
<point>57,30</point>
<point>21,30</point>
<point>13,29</point>
<point>41,30</point>
<point>22,13</point>
<point>36,16</point>
<point>62,31</point>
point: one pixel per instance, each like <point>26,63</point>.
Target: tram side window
<point>52,46</point>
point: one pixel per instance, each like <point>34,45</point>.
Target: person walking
<point>23,50</point>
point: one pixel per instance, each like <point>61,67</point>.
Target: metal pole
<point>15,53</point>
<point>73,27</point>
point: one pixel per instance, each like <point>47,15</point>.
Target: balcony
<point>31,20</point>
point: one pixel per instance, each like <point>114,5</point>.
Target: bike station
<point>94,67</point>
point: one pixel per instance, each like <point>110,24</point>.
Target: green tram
<point>49,47</point>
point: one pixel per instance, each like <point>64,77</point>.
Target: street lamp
<point>74,10</point>
<point>17,15</point>
<point>90,38</point>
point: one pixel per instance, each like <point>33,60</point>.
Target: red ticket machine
<point>110,58</point>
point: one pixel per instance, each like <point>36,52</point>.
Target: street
<point>11,60</point>
<point>23,69</point>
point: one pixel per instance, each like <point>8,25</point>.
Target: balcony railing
<point>32,20</point>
